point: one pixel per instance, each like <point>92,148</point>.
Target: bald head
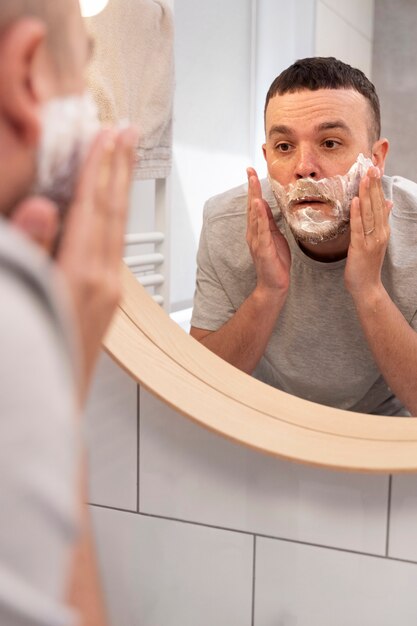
<point>57,15</point>
<point>43,58</point>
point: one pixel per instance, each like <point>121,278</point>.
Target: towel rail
<point>151,280</point>
<point>139,238</point>
<point>144,259</point>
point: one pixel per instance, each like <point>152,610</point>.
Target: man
<point>319,303</point>
<point>53,315</point>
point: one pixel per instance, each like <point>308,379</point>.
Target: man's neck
<point>328,251</point>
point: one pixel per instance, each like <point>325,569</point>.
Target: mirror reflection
<point>305,278</point>
<point>305,264</point>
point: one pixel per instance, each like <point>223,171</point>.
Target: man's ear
<point>22,77</point>
<point>379,153</point>
<point>264,150</point>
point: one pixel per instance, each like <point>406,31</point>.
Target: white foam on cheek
<point>336,190</point>
<point>66,121</point>
<point>69,126</point>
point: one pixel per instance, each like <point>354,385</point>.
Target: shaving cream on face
<point>69,126</point>
<point>310,223</point>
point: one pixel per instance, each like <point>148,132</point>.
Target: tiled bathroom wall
<point>194,530</point>
<point>394,74</point>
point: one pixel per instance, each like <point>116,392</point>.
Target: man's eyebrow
<point>336,124</point>
<point>280,129</point>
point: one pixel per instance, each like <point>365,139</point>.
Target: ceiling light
<point>92,7</point>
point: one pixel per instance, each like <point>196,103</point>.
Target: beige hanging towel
<point>132,76</point>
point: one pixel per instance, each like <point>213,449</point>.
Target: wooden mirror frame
<point>173,366</point>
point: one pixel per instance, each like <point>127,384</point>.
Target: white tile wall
<point>403,526</point>
<point>111,428</point>
<point>211,121</point>
<point>300,585</point>
<point>162,573</point>
<point>357,13</point>
<point>189,473</point>
<point>335,37</point>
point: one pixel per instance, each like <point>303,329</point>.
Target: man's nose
<point>306,166</point>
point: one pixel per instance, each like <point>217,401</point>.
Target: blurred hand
<point>92,241</point>
<point>267,245</point>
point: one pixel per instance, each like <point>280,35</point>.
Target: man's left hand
<point>369,236</point>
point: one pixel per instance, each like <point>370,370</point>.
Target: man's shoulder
<point>233,202</point>
<point>33,283</point>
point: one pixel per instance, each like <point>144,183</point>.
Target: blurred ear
<point>379,153</point>
<point>23,77</point>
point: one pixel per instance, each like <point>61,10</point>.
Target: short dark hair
<point>326,73</point>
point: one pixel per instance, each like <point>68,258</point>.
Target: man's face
<point>315,134</point>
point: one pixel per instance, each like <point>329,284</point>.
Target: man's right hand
<point>92,242</point>
<point>267,245</point>
<point>243,339</point>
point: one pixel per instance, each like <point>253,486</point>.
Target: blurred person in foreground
<point>63,202</point>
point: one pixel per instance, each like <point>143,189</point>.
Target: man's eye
<point>331,143</point>
<point>283,147</point>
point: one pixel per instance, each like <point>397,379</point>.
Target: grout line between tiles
<point>260,535</point>
<point>388,514</point>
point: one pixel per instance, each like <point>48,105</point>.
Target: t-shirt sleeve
<point>212,307</point>
<point>39,460</point>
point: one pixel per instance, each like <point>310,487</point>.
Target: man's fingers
<point>256,188</point>
<point>38,219</point>
<point>95,170</point>
<point>262,222</point>
<point>272,223</point>
<point>377,198</point>
<point>356,227</point>
<point>388,207</point>
<point>252,217</point>
<point>249,173</point>
<point>366,212</point>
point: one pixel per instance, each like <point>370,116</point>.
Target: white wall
<point>344,29</point>
<point>285,32</point>
<point>194,530</point>
<point>211,121</point>
<point>394,74</point>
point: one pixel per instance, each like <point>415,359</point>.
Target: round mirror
<point>152,348</point>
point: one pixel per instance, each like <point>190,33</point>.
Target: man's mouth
<point>308,201</point>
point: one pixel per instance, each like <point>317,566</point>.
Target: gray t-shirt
<point>39,440</point>
<point>317,350</point>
